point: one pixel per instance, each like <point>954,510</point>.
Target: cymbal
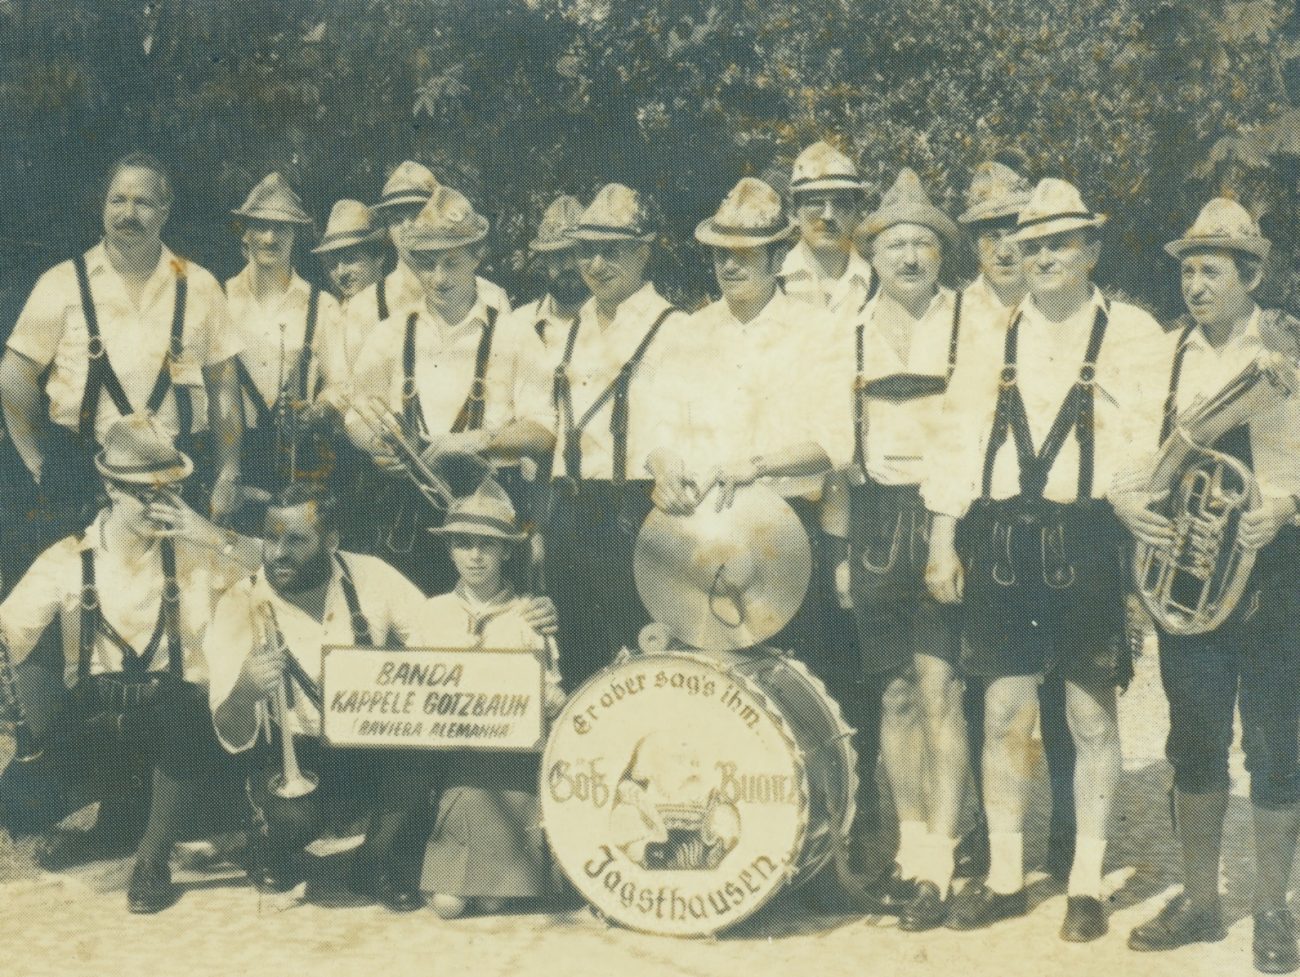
<point>721,581</point>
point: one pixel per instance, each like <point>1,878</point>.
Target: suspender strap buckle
<point>89,597</point>
<point>1007,378</point>
<point>408,388</point>
<point>95,347</point>
<point>1088,375</point>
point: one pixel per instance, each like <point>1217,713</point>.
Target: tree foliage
<point>1151,108</point>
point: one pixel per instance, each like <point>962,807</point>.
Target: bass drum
<point>681,791</point>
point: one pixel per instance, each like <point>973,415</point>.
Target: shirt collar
<point>644,303</point>
<point>242,285</point>
<point>503,597</point>
<point>97,263</point>
<point>801,259</point>
<point>1250,337</point>
<point>1096,301</point>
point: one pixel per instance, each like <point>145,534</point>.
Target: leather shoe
<point>971,858</point>
<point>926,911</point>
<point>1085,920</point>
<point>977,906</point>
<point>1179,923</point>
<point>891,895</point>
<point>151,889</point>
<point>1275,942</point>
<point>395,895</point>
<point>63,848</point>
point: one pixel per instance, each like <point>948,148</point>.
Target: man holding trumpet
<point>1255,653</point>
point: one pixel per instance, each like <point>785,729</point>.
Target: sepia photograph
<point>651,487</point>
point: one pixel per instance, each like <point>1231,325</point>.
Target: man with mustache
<point>269,629</point>
<point>1042,577</point>
<point>280,320</point>
<point>824,268</point>
<point>1254,655</point>
<point>127,326</point>
<point>134,596</point>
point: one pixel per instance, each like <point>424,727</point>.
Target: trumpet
<point>292,781</point>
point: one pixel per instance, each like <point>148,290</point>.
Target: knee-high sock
<point>1275,839</point>
<point>168,807</point>
<point>1200,831</point>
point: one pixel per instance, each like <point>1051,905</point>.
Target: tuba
<point>1192,586</point>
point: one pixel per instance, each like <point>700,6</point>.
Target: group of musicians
<point>395,463</point>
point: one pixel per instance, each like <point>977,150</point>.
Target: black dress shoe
<point>977,906</point>
<point>1085,920</point>
<point>891,894</point>
<point>151,889</point>
<point>1060,856</point>
<point>926,911</point>
<point>1179,923</point>
<point>971,858</point>
<point>396,895</point>
<point>63,849</point>
<point>1275,942</point>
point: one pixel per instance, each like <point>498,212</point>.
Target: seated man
<point>134,595</point>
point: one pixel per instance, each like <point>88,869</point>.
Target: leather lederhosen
<point>1045,581</point>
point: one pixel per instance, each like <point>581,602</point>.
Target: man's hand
<point>226,495</point>
<point>731,476</point>
<point>539,613</point>
<point>1146,525</point>
<point>842,592</point>
<point>944,576</point>
<point>262,670</point>
<point>675,492</point>
<point>171,516</point>
<point>1260,525</point>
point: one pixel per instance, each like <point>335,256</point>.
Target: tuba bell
<point>1193,585</point>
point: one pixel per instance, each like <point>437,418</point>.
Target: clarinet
<point>26,749</point>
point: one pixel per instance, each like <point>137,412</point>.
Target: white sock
<point>911,848</point>
<point>939,861</point>
<point>1006,862</point>
<point>1085,873</point>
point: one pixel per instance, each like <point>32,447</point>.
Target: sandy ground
<point>76,922</point>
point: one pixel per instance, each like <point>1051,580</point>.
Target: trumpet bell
<point>291,788</point>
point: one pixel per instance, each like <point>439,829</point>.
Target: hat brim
<point>598,234</point>
<point>829,183</point>
<point>460,528</point>
<point>414,244</point>
<point>709,232</point>
<point>993,210</point>
<point>273,216</point>
<point>147,474</point>
<point>1058,225</point>
<point>546,247</point>
<point>931,217</point>
<point>350,241</point>
<point>1255,247</point>
<point>402,199</point>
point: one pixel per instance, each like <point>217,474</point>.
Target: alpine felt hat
<point>823,167</point>
<point>487,511</point>
<point>1055,206</point>
<point>350,223</point>
<point>1222,224</point>
<point>273,200</point>
<point>137,451</point>
<point>752,214</point>
<point>410,183</point>
<point>555,231</point>
<point>448,220</point>
<point>996,192</point>
<point>616,213</point>
<point>906,203</point>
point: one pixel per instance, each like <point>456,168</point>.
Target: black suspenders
<point>1175,375</point>
<point>562,393</point>
<point>1009,417</point>
<point>381,299</point>
<point>102,378</point>
<point>295,674</point>
<point>303,367</point>
<point>470,416</point>
<point>167,629</point>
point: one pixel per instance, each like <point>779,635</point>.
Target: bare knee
<point>1091,717</point>
<point>1010,708</point>
<point>899,702</point>
<point>939,691</point>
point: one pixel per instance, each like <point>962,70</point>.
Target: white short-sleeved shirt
<point>272,333</point>
<point>392,605</point>
<point>1131,383</point>
<point>129,600</point>
<point>51,331</point>
<point>802,277</point>
<point>599,353</point>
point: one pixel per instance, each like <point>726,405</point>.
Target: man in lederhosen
<point>995,197</point>
<point>133,595</point>
<point>280,319</point>
<point>270,628</point>
<point>606,427</point>
<point>126,326</point>
<point>1042,570</point>
<point>550,316</point>
<point>902,351</point>
<point>1255,654</point>
<point>824,268</point>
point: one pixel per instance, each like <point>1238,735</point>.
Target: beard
<point>568,288</point>
<point>312,572</point>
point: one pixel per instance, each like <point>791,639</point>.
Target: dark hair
<point>296,494</point>
<point>137,159</point>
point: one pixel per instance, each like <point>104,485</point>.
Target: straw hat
<point>823,167</point>
<point>1054,207</point>
<point>351,223</point>
<point>752,214</point>
<point>996,192</point>
<point>561,217</point>
<point>273,200</point>
<point>1223,224</point>
<point>410,183</point>
<point>448,220</point>
<point>906,203</point>
<point>136,450</point>
<point>486,511</point>
<point>617,213</point>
